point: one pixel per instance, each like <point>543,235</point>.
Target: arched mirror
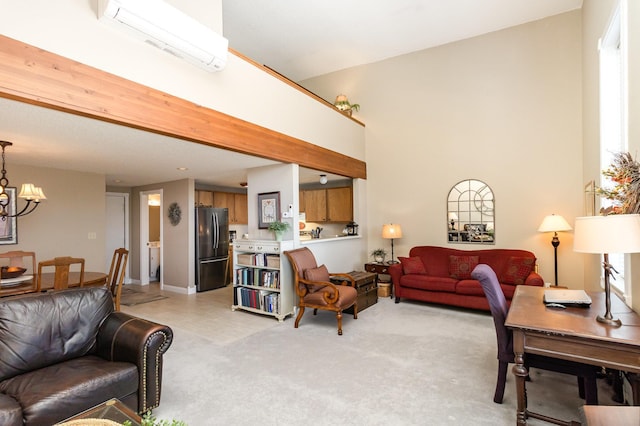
<point>470,213</point>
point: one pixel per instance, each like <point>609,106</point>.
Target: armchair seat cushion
<point>347,297</point>
<point>75,384</point>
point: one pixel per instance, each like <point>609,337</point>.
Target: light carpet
<point>397,364</point>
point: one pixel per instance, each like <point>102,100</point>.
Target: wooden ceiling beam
<point>32,75</point>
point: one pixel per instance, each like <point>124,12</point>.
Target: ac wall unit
<point>169,29</point>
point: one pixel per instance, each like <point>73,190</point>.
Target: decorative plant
<point>277,226</point>
<point>343,104</point>
<point>379,254</point>
<point>624,171</point>
<point>149,420</point>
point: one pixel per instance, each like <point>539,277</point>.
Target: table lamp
<point>391,231</point>
<point>618,233</point>
<point>453,217</point>
<point>554,223</point>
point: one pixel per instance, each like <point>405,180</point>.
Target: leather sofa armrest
<point>534,279</point>
<point>126,338</point>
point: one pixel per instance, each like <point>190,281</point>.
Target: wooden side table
<point>382,274</point>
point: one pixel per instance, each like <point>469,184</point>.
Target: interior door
<point>117,227</point>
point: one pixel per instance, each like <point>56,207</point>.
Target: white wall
<point>505,108</point>
<point>62,224</point>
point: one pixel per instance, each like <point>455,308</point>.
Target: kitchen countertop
<point>323,239</point>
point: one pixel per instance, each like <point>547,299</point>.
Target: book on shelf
<point>264,300</point>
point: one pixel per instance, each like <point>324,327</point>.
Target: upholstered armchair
<point>316,290</point>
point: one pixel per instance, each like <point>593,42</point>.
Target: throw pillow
<point>517,270</point>
<point>316,274</point>
<point>460,267</point>
<point>412,265</point>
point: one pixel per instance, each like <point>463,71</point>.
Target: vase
<point>278,235</point>
<point>378,259</point>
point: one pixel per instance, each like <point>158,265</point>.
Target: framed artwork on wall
<point>268,209</point>
<point>9,226</point>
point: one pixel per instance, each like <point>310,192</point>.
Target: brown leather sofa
<point>66,351</point>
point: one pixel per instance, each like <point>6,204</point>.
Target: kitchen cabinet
<point>236,204</point>
<point>327,205</point>
<point>204,198</point>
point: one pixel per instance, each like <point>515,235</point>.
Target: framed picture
<point>268,209</point>
<point>9,226</point>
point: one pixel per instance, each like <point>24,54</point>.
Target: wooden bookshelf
<point>262,281</point>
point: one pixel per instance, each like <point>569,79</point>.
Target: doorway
<point>117,227</point>
<point>151,237</point>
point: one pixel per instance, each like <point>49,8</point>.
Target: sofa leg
<point>397,299</point>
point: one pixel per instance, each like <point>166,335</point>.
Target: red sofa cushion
<point>427,282</point>
<point>412,265</point>
<point>460,267</point>
<point>517,270</point>
<point>470,287</point>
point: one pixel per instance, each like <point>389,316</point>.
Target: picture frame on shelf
<point>9,226</point>
<point>268,209</point>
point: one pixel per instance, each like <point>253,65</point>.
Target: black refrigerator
<point>212,248</point>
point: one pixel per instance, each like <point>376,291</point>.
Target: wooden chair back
<point>62,267</point>
<point>116,274</point>
<point>19,258</point>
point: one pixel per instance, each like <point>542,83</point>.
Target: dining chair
<point>116,274</point>
<point>315,290</point>
<point>586,373</point>
<point>62,267</point>
<point>21,259</point>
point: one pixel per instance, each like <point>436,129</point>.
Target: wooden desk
<point>600,415</point>
<point>571,334</point>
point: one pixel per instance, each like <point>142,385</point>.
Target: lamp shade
<point>391,231</point>
<point>554,223</point>
<point>453,216</point>
<point>618,233</point>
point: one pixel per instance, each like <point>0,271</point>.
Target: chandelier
<point>29,192</point>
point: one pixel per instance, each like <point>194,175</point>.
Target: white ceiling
<point>303,39</point>
<point>299,39</point>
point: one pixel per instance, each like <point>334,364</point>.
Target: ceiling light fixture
<point>323,179</point>
<point>29,192</point>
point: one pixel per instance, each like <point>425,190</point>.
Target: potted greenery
<point>150,420</point>
<point>343,104</point>
<point>379,255</point>
<point>278,229</point>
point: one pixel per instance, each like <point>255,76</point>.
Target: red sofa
<point>443,275</point>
